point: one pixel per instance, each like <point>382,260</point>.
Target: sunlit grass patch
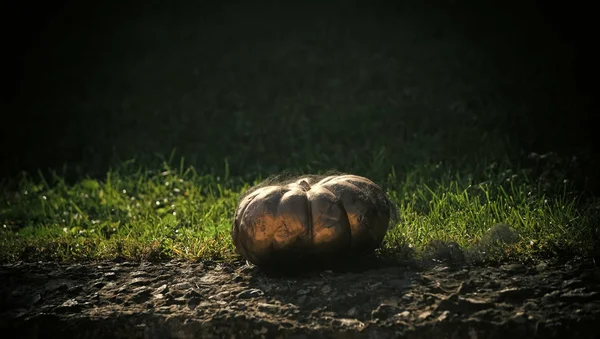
<point>506,217</point>
<point>141,213</point>
<point>145,213</point>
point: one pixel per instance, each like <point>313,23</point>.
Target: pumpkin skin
<point>311,218</point>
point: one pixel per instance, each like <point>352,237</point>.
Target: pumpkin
<point>310,219</point>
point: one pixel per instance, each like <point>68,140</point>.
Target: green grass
<point>172,211</point>
<point>441,107</point>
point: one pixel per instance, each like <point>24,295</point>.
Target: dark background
<point>313,85</point>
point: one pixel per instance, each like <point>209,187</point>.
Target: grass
<point>444,108</point>
<point>172,211</point>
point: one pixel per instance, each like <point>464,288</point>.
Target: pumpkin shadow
<point>344,287</point>
<point>317,267</point>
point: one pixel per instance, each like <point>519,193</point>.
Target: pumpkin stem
<point>304,185</point>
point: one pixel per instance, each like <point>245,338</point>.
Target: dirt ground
<point>213,300</point>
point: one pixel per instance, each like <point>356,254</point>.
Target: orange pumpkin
<point>310,217</point>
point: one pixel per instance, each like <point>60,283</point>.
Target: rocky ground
<point>212,300</point>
